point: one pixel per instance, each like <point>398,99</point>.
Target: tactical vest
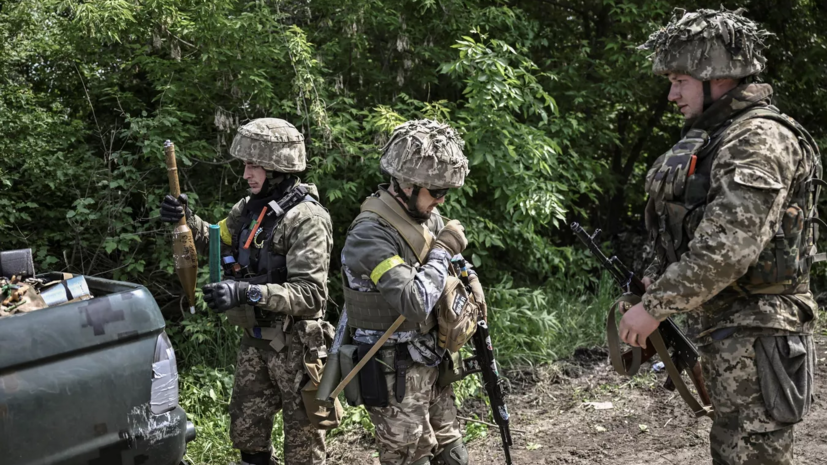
<point>259,264</point>
<point>369,310</point>
<point>678,187</point>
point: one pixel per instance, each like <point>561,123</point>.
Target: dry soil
<point>553,423</point>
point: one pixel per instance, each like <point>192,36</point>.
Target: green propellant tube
<point>215,253</point>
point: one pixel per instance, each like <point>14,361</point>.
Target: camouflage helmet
<point>708,44</point>
<point>272,143</point>
<point>425,153</point>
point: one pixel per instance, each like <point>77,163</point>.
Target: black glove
<point>172,209</point>
<point>224,295</point>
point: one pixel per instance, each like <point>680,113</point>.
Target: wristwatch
<point>254,294</point>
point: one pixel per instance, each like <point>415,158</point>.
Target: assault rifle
<point>483,362</point>
<point>684,356</point>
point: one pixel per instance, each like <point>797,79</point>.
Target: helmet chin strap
<point>410,201</point>
<point>707,95</point>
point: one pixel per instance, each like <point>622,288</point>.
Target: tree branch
<point>654,119</point>
<point>565,7</point>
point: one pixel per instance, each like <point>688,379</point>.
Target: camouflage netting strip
<point>437,141</point>
<point>741,36</point>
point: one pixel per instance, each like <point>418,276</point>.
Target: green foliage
<point>546,325</point>
<point>559,112</point>
<point>560,115</point>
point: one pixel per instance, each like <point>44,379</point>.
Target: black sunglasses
<point>437,193</point>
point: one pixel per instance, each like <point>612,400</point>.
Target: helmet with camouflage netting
<point>425,153</point>
<point>272,143</point>
<point>708,44</point>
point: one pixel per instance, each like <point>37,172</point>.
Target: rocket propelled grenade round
<point>183,247</point>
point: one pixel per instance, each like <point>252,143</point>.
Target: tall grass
<point>528,327</point>
<point>531,326</point>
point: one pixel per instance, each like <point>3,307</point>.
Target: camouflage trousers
<point>743,432</point>
<point>267,381</point>
<point>419,426</point>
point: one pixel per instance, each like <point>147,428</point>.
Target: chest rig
<point>369,310</point>
<point>253,258</point>
<point>678,189</point>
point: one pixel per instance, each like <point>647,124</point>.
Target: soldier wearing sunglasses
<point>396,261</point>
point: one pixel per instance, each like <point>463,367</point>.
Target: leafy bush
<point>561,117</point>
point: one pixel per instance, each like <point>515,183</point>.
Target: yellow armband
<point>384,267</point>
<point>226,236</point>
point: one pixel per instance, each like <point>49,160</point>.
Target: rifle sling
<point>656,340</point>
<point>613,338</point>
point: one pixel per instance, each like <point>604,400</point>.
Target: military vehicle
<point>90,381</point>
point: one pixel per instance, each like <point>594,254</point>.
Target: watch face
<point>254,293</point>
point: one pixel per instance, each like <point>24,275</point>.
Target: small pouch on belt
<point>451,369</point>
<point>264,337</point>
<point>274,335</point>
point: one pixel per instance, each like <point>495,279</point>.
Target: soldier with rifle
<point>732,214</point>
<point>397,261</point>
<point>276,246</point>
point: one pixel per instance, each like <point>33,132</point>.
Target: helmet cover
<point>272,143</point>
<point>425,153</point>
<point>708,44</point>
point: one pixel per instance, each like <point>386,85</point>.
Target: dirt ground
<point>646,424</point>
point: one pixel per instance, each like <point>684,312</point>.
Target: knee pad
<point>259,458</point>
<point>454,453</point>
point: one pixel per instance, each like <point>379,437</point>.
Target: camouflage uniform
<point>271,372</point>
<point>720,234</point>
<point>423,425</point>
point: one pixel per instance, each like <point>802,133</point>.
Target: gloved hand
<point>479,296</point>
<point>452,238</point>
<point>224,295</point>
<point>172,209</point>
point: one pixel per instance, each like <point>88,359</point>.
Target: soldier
<point>732,214</point>
<point>276,289</point>
<point>396,261</point>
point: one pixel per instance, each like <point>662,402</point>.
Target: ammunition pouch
<point>373,385</point>
<point>457,315</point>
<point>451,369</point>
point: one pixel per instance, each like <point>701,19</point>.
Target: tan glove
<point>479,296</point>
<point>452,238</point>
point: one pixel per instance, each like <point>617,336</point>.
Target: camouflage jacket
<point>410,288</point>
<point>305,237</point>
<point>755,166</point>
